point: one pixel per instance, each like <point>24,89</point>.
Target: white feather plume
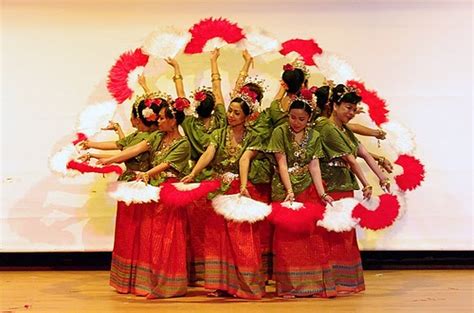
<point>58,162</point>
<point>240,209</point>
<point>338,217</point>
<point>400,138</point>
<point>165,44</point>
<point>186,187</point>
<point>132,78</point>
<point>96,116</point>
<point>134,192</point>
<point>295,206</point>
<point>334,68</point>
<point>258,42</point>
<point>214,43</point>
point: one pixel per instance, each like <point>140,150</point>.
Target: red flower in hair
<point>307,94</point>
<point>313,89</point>
<point>200,96</point>
<point>288,67</point>
<point>252,94</point>
<point>181,103</point>
<point>149,102</point>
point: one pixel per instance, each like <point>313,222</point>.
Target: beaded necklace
<point>299,149</point>
<point>233,151</point>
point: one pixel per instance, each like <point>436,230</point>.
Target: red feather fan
<point>84,167</point>
<point>306,48</point>
<point>80,137</point>
<point>173,197</point>
<point>118,74</point>
<point>296,221</point>
<point>413,172</point>
<point>382,217</point>
<point>212,28</point>
<point>377,106</point>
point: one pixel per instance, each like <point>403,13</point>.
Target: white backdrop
<point>56,55</point>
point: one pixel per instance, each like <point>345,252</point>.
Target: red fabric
<point>306,48</point>
<point>377,107</point>
<point>301,261</point>
<point>413,172</point>
<point>172,197</point>
<point>212,28</point>
<point>344,256</point>
<point>85,167</point>
<point>198,213</point>
<point>233,253</point>
<point>382,217</point>
<point>297,221</point>
<point>117,83</point>
<point>150,251</point>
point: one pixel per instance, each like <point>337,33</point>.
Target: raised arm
<point>116,128</point>
<point>284,176</point>
<point>202,163</point>
<point>216,77</point>
<point>177,78</point>
<point>243,72</point>
<point>244,165</point>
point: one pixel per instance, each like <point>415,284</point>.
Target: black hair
<point>173,114</point>
<point>293,79</point>
<point>340,95</point>
<point>205,107</point>
<point>156,109</point>
<point>322,97</point>
<point>298,104</point>
<point>134,111</point>
<point>257,89</point>
<point>243,105</point>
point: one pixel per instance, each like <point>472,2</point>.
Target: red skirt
<point>344,256</point>
<point>149,256</point>
<point>301,260</point>
<point>198,213</point>
<point>232,253</point>
<point>123,272</point>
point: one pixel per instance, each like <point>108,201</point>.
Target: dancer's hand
<point>104,161</point>
<point>381,134</point>
<point>244,192</point>
<point>142,176</point>
<point>188,178</point>
<point>327,199</point>
<point>85,157</point>
<point>385,164</point>
<point>367,192</point>
<point>385,184</point>
<point>84,145</point>
<point>172,62</point>
<point>112,126</point>
<point>290,196</point>
<point>215,54</point>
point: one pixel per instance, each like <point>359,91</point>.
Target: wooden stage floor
<point>411,291</point>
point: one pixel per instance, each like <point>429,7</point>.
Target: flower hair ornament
<point>257,81</point>
<point>307,96</point>
<point>347,90</point>
<point>250,97</point>
<point>297,64</point>
<point>198,96</point>
<point>155,98</point>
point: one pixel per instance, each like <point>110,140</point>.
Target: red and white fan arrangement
<point>380,212</point>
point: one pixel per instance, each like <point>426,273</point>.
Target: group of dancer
<point>301,148</point>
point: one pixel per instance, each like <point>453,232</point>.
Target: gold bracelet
<point>324,195</point>
<point>242,73</point>
<point>177,77</point>
<point>367,187</point>
<point>215,79</point>
<point>385,182</point>
<point>380,160</point>
<point>215,75</point>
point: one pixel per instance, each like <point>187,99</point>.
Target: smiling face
<point>235,115</point>
<point>298,119</point>
<point>345,111</point>
<point>165,124</point>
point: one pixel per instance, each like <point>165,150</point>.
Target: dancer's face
<point>298,119</point>
<point>345,111</point>
<point>235,115</point>
<point>165,124</point>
